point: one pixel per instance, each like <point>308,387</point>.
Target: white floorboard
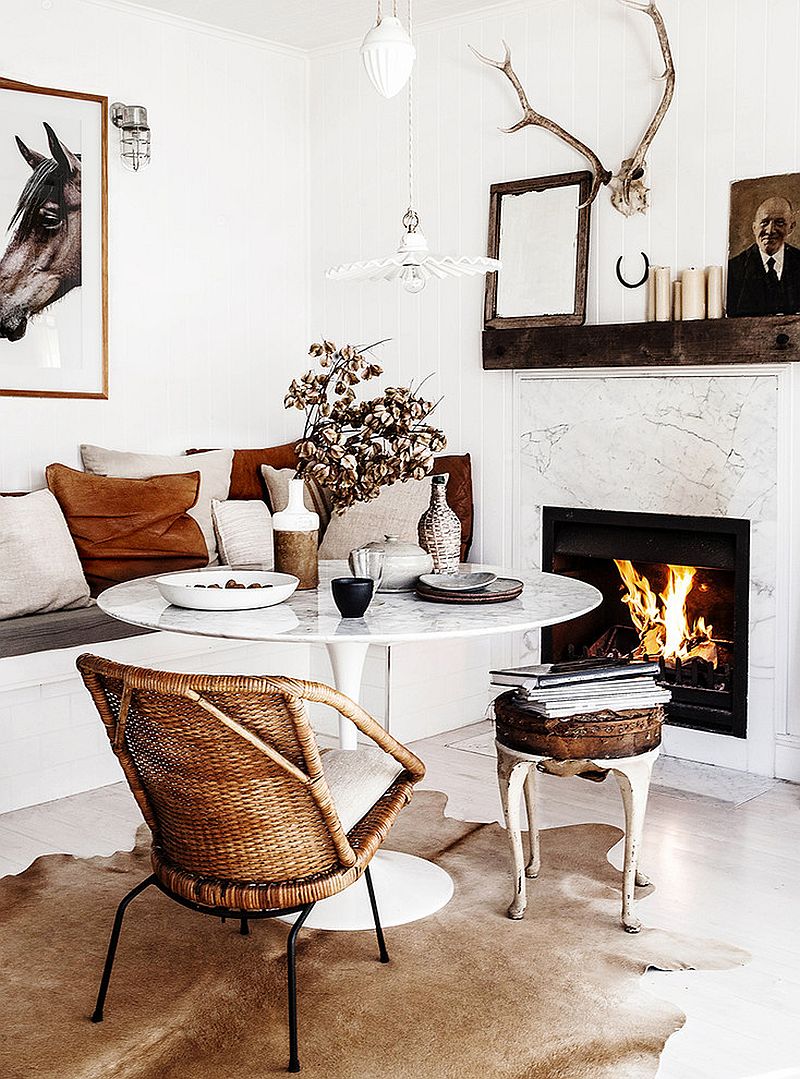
<point>721,869</point>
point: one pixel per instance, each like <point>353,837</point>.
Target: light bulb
<point>413,278</point>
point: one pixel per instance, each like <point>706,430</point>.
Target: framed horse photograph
<point>54,253</point>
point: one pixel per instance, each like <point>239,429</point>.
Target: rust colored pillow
<point>129,528</point>
<point>458,466</point>
<point>246,481</point>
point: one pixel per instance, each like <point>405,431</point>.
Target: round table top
<point>311,616</point>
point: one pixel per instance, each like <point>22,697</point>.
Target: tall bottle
<point>295,535</point>
<point>439,529</point>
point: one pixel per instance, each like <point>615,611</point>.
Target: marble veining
<point>311,616</point>
<point>704,445</point>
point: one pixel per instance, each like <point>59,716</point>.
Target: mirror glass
<point>538,248</point>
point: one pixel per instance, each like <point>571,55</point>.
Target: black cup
<point>352,595</point>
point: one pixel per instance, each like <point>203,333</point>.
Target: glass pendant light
<point>388,53</point>
<point>412,264</point>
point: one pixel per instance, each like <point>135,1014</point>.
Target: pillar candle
<point>663,294</point>
<point>693,294</point>
<point>676,300</point>
<point>714,292</point>
<point>651,294</point>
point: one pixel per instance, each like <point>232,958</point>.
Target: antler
<point>628,189</point>
<point>530,117</point>
<point>629,192</point>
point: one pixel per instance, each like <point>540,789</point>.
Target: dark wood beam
<point>772,339</point>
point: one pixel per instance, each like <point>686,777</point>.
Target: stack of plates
<point>468,588</point>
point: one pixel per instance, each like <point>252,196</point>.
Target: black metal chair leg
<point>378,930</point>
<point>244,927</point>
<point>97,1015</point>
<point>294,1059</point>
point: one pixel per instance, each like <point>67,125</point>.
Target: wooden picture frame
<point>763,226</point>
<point>54,193</point>
<point>561,227</point>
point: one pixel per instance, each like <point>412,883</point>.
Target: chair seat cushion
<point>357,780</point>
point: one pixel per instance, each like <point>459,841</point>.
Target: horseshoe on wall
<point>637,284</point>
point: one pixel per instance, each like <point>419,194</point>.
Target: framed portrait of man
<point>764,247</point>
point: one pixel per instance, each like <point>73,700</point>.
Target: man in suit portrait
<point>765,278</point>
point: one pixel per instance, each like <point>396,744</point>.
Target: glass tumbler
<point>367,562</point>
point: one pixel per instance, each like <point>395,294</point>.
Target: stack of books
<point>556,690</point>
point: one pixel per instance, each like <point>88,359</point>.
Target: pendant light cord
<point>411,218</point>
<point>380,12</point>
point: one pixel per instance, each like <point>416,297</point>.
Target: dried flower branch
<point>354,448</point>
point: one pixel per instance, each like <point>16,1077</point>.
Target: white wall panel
<point>207,247</point>
<point>589,64</point>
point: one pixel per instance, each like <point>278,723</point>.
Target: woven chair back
<point>225,769</point>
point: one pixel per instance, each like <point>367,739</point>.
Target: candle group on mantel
<point>696,294</point>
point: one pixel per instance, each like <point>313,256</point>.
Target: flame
<point>662,620</point>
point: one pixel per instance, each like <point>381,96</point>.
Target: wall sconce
<point>134,142</point>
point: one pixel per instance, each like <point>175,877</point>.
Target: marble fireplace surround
<point>698,441</point>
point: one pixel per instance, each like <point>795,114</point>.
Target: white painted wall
<point>208,308</point>
<point>588,64</point>
<point>207,246</point>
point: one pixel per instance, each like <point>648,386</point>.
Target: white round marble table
<point>408,888</point>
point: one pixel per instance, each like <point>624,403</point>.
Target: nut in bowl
<point>226,589</point>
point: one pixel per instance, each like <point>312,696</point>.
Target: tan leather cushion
<point>458,466</point>
<point>246,480</point>
<point>129,528</point>
<point>357,780</point>
<point>214,468</point>
<point>39,566</point>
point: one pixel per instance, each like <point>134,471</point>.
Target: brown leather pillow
<point>458,466</point>
<point>246,481</point>
<point>124,528</point>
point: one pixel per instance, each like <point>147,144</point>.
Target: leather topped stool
<point>590,745</point>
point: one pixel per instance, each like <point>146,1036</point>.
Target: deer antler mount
<point>629,193</point>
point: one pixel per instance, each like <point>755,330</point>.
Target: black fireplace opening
<point>675,588</point>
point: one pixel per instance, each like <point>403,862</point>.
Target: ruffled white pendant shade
<point>388,56</point>
<point>413,264</point>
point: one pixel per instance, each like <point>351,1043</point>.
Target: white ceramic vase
<point>295,533</point>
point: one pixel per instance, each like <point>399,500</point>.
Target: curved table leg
<point>534,862</point>
<point>407,888</point>
<point>511,776</point>
<point>633,779</point>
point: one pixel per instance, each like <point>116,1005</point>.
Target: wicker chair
<point>248,819</point>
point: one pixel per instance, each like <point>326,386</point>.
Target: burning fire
<point>662,621</point>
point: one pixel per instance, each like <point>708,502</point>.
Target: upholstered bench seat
<point>61,629</point>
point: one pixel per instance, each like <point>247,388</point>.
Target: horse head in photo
<point>42,262</point>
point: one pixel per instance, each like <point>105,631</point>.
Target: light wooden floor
<point>720,871</point>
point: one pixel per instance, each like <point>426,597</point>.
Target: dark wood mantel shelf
<point>772,339</point>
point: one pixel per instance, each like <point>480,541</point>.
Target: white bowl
<point>181,589</point>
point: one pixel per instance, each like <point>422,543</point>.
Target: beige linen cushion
<point>395,512</point>
<point>315,497</point>
<point>244,532</point>
<point>39,567</point>
<point>357,780</point>
<point>214,468</point>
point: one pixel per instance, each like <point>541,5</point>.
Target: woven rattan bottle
<point>295,533</point>
<point>439,529</point>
